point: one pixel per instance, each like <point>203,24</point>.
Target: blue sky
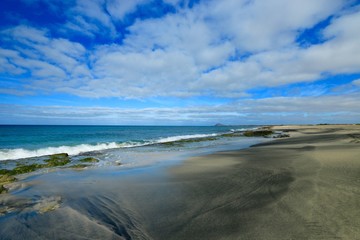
<point>178,62</point>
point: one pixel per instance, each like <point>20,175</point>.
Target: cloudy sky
<point>179,62</point>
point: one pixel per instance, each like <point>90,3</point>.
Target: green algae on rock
<point>53,161</point>
<point>3,189</point>
<point>4,171</point>
<point>258,133</point>
<point>232,134</point>
<point>21,169</point>
<point>79,166</point>
<point>56,160</point>
<point>5,179</point>
<point>89,160</point>
<point>189,140</point>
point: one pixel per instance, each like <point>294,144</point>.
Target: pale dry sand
<point>303,187</point>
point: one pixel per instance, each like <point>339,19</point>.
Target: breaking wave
<point>18,153</point>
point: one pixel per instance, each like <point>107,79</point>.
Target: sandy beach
<point>302,187</point>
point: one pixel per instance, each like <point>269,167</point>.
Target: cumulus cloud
<point>89,17</point>
<point>218,48</point>
<point>266,25</point>
<point>98,18</point>
<point>209,46</point>
<point>337,55</point>
<point>118,9</point>
<point>144,74</point>
<point>356,82</point>
<point>296,64</point>
<point>55,61</point>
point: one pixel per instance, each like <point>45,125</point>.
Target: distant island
<point>219,125</point>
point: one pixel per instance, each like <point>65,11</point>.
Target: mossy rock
<point>21,169</point>
<point>193,140</point>
<point>56,160</point>
<point>4,179</point>
<point>3,189</point>
<point>89,160</point>
<point>53,161</point>
<point>258,133</point>
<point>235,134</point>
<point>190,140</point>
<point>4,171</point>
<point>227,135</point>
<point>171,144</point>
<point>79,166</point>
<point>59,156</point>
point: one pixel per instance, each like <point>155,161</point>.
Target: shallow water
<point>105,201</point>
<point>109,202</point>
<point>18,142</point>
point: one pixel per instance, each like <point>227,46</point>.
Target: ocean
<point>128,145</point>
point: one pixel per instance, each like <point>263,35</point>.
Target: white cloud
<point>330,109</point>
<point>267,25</point>
<point>26,35</point>
<point>193,34</point>
<point>36,44</point>
<point>294,64</point>
<point>79,25</point>
<point>47,60</point>
<point>146,74</point>
<point>119,8</point>
<point>356,82</point>
<point>89,18</point>
<point>191,52</point>
<point>6,65</point>
<point>16,92</point>
<point>98,17</point>
<point>339,54</point>
<point>17,64</point>
<point>187,32</point>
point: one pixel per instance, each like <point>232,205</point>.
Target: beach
<point>302,187</point>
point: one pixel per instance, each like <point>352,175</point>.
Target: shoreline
<point>302,187</point>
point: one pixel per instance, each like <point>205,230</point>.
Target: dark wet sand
<point>303,187</point>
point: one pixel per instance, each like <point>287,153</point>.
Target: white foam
<point>18,153</point>
<point>184,137</point>
<point>11,154</point>
<point>243,129</point>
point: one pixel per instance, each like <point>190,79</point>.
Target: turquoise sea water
<point>114,142</point>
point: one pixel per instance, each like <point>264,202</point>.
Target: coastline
<point>302,187</point>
